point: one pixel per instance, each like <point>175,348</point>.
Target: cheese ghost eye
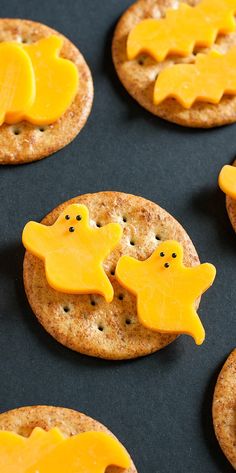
<point>17,82</point>
<point>166,290</point>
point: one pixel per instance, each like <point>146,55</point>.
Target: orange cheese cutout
<point>227,180</point>
<point>17,453</point>
<point>212,76</point>
<point>56,78</point>
<point>17,82</point>
<point>182,29</point>
<point>73,251</point>
<point>166,290</point>
<point>48,452</point>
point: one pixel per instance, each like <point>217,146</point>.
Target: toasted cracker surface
<point>231,208</point>
<point>88,324</point>
<point>23,420</point>
<point>139,75</point>
<point>24,142</point>
<point>224,408</point>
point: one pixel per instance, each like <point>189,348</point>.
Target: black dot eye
<point>162,254</point>
<point>67,217</point>
<point>174,255</point>
<point>78,217</point>
<point>71,229</point>
<point>166,265</point>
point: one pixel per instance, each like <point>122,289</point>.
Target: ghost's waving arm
<point>204,276</point>
<point>129,273</point>
<point>108,236</point>
<point>37,239</point>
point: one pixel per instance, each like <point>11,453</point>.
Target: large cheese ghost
<point>73,251</point>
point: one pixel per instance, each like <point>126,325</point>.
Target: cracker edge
<point>219,425</point>
<point>69,413</point>
<point>161,111</point>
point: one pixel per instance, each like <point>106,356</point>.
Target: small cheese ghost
<point>48,452</point>
<point>166,290</point>
<point>73,251</point>
<point>57,81</point>
<point>227,181</point>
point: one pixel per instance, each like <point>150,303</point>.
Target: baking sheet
<point>159,406</point>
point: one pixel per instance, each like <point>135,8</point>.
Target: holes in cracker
<point>157,237</point>
<point>132,242</point>
<point>42,129</point>
<point>98,224</point>
<point>93,302</point>
<point>128,321</point>
<point>141,60</point>
<point>124,219</point>
<point>100,328</point>
<point>66,309</point>
<point>121,297</point>
<point>112,272</point>
<point>16,131</point>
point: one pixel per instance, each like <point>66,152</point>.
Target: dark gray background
<point>159,406</point>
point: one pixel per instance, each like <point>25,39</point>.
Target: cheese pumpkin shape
<point>166,290</point>
<point>17,82</point>
<point>57,81</point>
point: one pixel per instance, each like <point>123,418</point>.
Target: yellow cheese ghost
<point>166,290</point>
<point>73,251</point>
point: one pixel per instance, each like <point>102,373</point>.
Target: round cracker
<point>224,408</point>
<point>23,420</point>
<point>231,208</point>
<point>25,142</point>
<point>87,323</point>
<point>139,75</point>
